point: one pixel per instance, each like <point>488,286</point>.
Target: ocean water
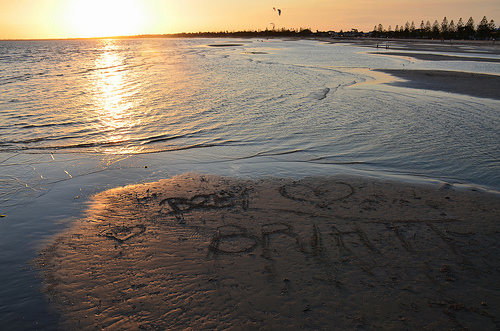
<point>81,116</point>
<point>96,101</point>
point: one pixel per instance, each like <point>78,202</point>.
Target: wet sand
<point>478,47</point>
<point>476,85</point>
<point>341,252</point>
<point>472,84</point>
<point>440,57</point>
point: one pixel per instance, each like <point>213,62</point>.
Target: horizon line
<point>163,35</point>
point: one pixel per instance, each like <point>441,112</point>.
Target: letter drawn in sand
<point>270,230</point>
<point>233,239</point>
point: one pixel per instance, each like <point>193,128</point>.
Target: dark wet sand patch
<point>478,47</point>
<point>255,53</point>
<point>439,57</point>
<point>207,252</point>
<point>225,45</point>
<point>477,85</point>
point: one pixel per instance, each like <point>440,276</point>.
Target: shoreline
<point>209,251</point>
<point>61,194</point>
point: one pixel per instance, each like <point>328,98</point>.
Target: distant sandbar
<point>439,57</point>
<point>477,85</point>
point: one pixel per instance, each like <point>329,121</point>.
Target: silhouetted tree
<point>452,30</point>
<point>494,32</point>
<point>469,29</point>
<point>305,31</point>
<point>447,30</point>
<point>435,29</point>
<point>378,31</point>
<point>460,29</point>
<point>492,25</point>
<point>406,31</point>
<point>413,29</point>
<point>428,29</point>
<point>421,30</point>
<point>444,26</point>
<point>482,28</point>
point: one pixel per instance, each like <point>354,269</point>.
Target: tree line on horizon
<point>485,30</point>
<point>283,32</point>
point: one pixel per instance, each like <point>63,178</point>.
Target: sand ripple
<point>204,252</point>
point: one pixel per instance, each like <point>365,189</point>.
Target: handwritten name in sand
<point>320,253</point>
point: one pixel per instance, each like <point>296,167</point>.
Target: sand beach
<point>462,82</point>
<point>473,84</point>
<point>292,196</point>
<point>342,252</point>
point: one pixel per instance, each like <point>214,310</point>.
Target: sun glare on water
<point>106,18</point>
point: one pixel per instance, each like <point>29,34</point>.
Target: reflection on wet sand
<point>209,252</point>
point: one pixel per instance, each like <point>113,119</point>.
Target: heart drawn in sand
<point>123,233</point>
<point>321,195</point>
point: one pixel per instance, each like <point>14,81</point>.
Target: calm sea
<point>87,115</point>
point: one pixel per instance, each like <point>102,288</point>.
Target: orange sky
<point>32,19</point>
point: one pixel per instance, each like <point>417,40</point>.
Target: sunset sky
<point>34,19</point>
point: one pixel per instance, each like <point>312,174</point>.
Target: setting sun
<point>40,19</point>
<point>97,18</point>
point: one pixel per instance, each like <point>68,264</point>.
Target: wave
<point>46,143</point>
<point>25,77</point>
<point>48,125</point>
<point>160,138</point>
<point>85,148</point>
<point>15,79</point>
<point>122,67</point>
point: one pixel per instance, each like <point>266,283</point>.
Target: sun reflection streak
<point>114,101</point>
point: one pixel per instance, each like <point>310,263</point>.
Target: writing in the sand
<point>409,237</point>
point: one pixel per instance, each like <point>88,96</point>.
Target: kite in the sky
<point>278,10</point>
<point>274,25</point>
